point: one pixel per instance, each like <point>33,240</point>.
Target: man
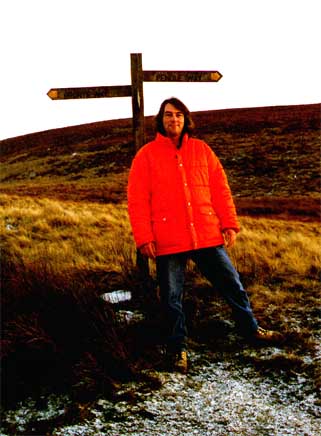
<point>180,207</point>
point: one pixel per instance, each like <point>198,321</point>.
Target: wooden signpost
<point>135,91</point>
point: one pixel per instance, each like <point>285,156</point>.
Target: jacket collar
<point>166,141</point>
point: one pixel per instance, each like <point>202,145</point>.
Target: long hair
<point>188,122</point>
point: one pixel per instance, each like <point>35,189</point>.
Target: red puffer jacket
<point>179,198</point>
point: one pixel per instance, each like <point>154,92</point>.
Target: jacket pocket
<point>168,231</point>
<point>207,216</point>
<point>207,225</point>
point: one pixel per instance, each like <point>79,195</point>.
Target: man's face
<point>173,121</point>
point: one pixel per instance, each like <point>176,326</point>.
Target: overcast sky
<point>267,51</point>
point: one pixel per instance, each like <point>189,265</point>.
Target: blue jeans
<point>216,266</point>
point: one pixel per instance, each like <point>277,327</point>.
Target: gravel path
<point>225,397</point>
<point>219,399</point>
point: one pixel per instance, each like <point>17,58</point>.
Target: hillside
<point>271,156</point>
<point>73,363</point>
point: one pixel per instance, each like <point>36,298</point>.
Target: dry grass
<point>97,237</point>
<point>91,237</point>
<point>58,256</point>
<point>65,235</point>
<point>276,250</point>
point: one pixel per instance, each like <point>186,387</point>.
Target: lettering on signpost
<point>182,76</point>
<point>91,92</point>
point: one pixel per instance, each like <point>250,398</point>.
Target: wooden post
<point>137,99</point>
<point>142,262</point>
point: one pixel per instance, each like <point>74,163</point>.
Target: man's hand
<point>229,236</point>
<point>148,250</point>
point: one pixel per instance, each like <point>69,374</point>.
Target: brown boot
<point>177,361</point>
<point>267,336</point>
<point>180,362</point>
